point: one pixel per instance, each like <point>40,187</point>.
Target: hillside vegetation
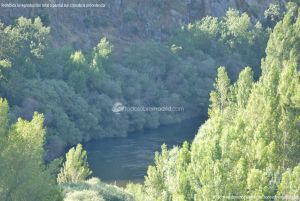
<point>76,89</point>
<point>249,146</point>
<point>248,149</point>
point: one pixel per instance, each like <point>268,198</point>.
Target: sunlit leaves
<point>23,173</point>
<point>249,147</point>
<point>76,168</point>
<point>220,96</point>
<point>289,186</point>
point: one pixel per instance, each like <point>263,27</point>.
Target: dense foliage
<point>76,90</point>
<point>231,40</point>
<point>94,190</point>
<point>249,147</point>
<point>73,180</point>
<point>76,168</point>
<point>23,175</point>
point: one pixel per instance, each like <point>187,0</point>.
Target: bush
<point>95,187</point>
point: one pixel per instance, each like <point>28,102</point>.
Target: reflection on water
<point>123,159</point>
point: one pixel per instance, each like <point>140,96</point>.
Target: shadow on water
<point>118,160</point>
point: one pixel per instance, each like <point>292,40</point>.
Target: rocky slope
<point>124,20</point>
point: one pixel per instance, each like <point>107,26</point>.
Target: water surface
<point>123,159</point>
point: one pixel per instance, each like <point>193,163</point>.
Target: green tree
<point>137,190</point>
<point>273,14</point>
<point>77,57</point>
<point>235,27</point>
<point>220,96</point>
<point>77,79</point>
<point>3,123</point>
<point>100,53</point>
<point>250,143</point>
<point>184,190</point>
<point>75,169</point>
<point>23,174</point>
<point>23,44</point>
<point>104,48</point>
<point>289,185</point>
<point>154,182</point>
<point>243,87</point>
<point>4,64</point>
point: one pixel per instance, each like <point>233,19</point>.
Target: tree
<point>77,57</point>
<point>184,190</point>
<point>137,190</point>
<point>23,175</point>
<point>249,146</point>
<point>155,180</point>
<point>100,53</point>
<point>4,64</point>
<point>3,123</point>
<point>104,48</point>
<point>23,44</point>
<point>243,87</point>
<point>75,169</point>
<point>77,79</point>
<point>32,35</point>
<point>273,14</point>
<point>220,96</point>
<point>289,185</point>
<point>235,28</point>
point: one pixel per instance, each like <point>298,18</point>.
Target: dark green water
<point>122,159</point>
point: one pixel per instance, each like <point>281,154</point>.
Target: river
<point>119,160</point>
